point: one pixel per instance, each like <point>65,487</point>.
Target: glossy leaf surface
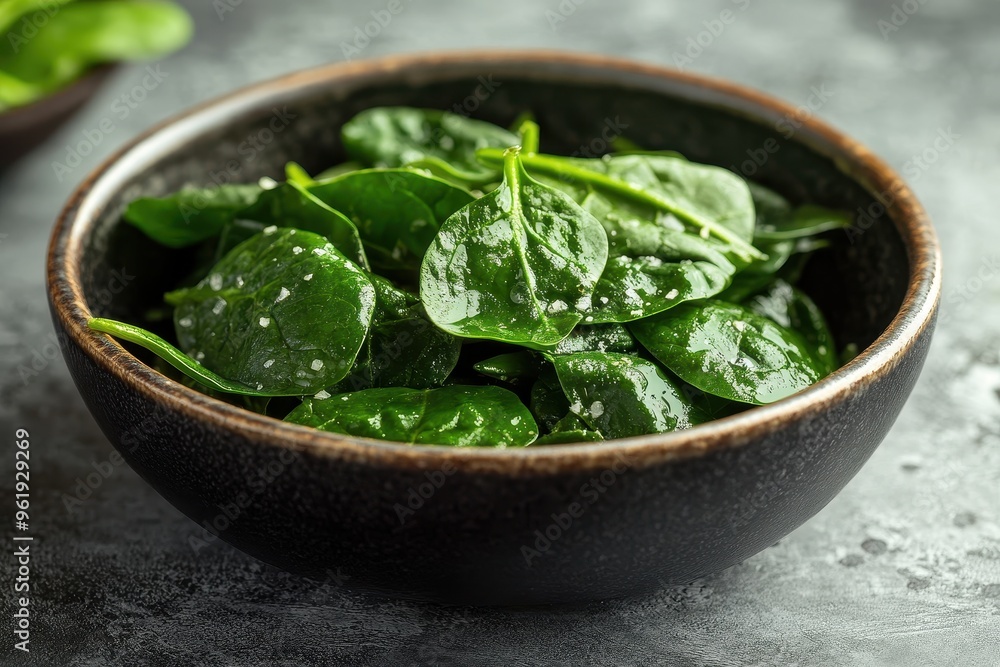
<point>517,265</point>
<point>284,313</point>
<point>441,141</point>
<point>397,212</point>
<point>729,351</point>
<point>192,215</point>
<point>460,416</point>
<point>620,395</point>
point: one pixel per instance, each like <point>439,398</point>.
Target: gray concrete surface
<point>903,568</point>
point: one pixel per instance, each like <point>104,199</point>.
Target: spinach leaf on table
<point>729,351</point>
<point>460,416</point>
<point>793,309</point>
<point>621,395</point>
<point>403,347</point>
<point>191,215</point>
<point>397,212</point>
<point>517,265</point>
<point>284,313</point>
<point>442,142</point>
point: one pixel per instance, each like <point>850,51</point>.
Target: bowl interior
<point>859,282</point>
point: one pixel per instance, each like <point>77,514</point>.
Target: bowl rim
<point>915,314</point>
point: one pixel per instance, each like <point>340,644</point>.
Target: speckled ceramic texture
<point>544,524</point>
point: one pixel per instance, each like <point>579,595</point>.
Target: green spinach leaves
<point>518,265</point>
<point>48,44</point>
<point>284,312</point>
<point>452,286</point>
<point>457,416</point>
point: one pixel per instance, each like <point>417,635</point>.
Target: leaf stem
<point>528,130</point>
<point>555,166</point>
<point>172,356</point>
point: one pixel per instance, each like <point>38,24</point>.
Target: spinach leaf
<point>510,367</point>
<point>758,274</point>
<point>284,312</point>
<point>804,221</point>
<point>459,416</point>
<point>191,215</point>
<point>596,338</point>
<point>292,205</point>
<point>403,347</point>
<point>620,395</point>
<point>443,142</point>
<point>568,430</point>
<point>396,211</point>
<point>547,400</point>
<point>568,437</point>
<point>729,351</point>
<point>622,145</point>
<point>174,357</point>
<point>768,204</point>
<point>517,265</point>
<point>652,268</point>
<point>12,10</point>
<point>777,220</point>
<point>710,200</point>
<point>82,34</point>
<point>792,309</point>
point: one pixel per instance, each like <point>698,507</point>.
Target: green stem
<point>172,356</point>
<point>555,166</point>
<point>528,130</point>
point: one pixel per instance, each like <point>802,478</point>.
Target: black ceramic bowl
<point>24,128</point>
<point>534,525</point>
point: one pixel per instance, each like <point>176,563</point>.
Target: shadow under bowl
<point>535,525</point>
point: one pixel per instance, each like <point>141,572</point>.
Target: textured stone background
<point>903,568</point>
